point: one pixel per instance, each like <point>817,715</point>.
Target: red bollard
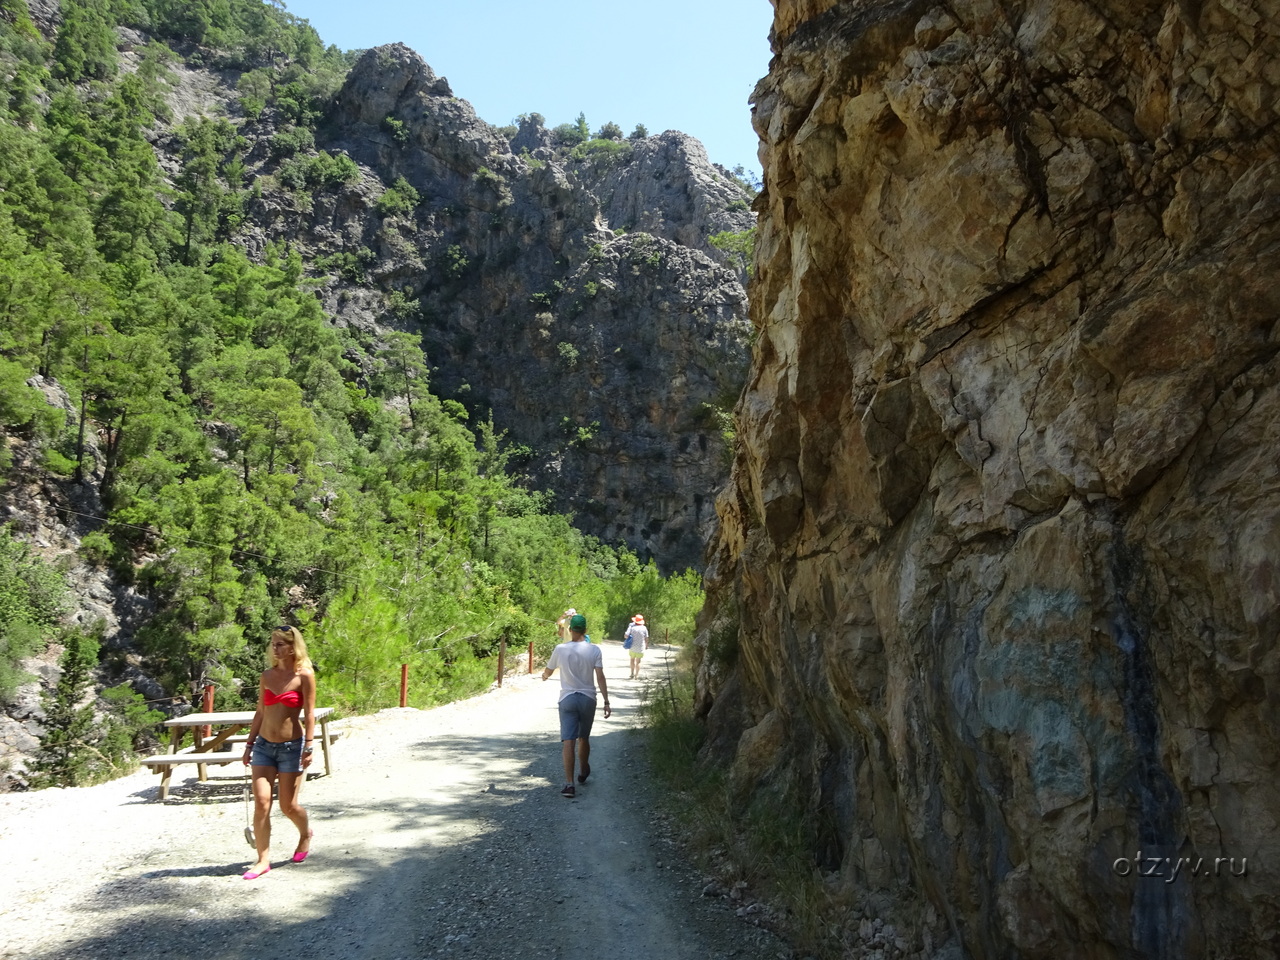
<point>404,684</point>
<point>207,707</point>
<point>531,656</point>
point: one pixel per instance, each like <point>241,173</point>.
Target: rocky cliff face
<point>995,593</point>
<point>578,299</point>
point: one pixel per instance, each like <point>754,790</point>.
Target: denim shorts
<point>285,757</point>
<point>577,713</point>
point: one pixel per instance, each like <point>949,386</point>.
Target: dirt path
<point>442,833</point>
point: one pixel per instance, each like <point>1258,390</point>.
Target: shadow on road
<point>439,844</point>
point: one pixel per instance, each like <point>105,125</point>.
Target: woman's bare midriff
<point>280,724</point>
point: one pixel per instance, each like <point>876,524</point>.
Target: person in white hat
<point>635,640</point>
<point>562,625</point>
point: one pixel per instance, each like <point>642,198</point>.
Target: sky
<point>687,65</point>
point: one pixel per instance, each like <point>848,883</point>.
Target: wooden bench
<point>162,760</point>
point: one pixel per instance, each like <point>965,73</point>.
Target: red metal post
<point>531,656</point>
<point>502,659</point>
<point>207,707</point>
<point>404,684</point>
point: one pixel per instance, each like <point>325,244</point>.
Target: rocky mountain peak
<point>543,273</point>
<point>381,79</point>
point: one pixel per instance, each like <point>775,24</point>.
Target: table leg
<point>174,740</point>
<point>324,745</point>
<point>201,768</point>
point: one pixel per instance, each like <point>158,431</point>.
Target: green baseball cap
<point>578,623</point>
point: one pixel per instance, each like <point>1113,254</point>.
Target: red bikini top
<point>290,698</point>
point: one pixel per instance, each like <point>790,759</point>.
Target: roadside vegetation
<point>757,846</point>
<point>253,464</point>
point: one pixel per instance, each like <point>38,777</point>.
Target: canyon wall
<point>577,297</point>
<point>995,596</point>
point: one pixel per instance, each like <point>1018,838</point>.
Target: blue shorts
<point>285,757</point>
<point>577,713</point>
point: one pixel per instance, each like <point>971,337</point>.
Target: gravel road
<point>441,833</point>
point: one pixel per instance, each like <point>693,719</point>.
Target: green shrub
<point>400,305</point>
<point>252,107</point>
<point>349,265</point>
<point>321,172</point>
<point>722,645</point>
<point>569,354</point>
<point>399,132</point>
<point>455,261</point>
<point>674,736</point>
<point>398,199</point>
<point>58,464</point>
<point>23,407</point>
<point>486,176</point>
<point>33,595</point>
<point>96,548</point>
<point>738,245</point>
<point>603,152</point>
<point>129,726</point>
<point>291,141</point>
<point>569,134</point>
<point>298,104</point>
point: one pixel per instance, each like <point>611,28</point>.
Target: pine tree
<point>66,751</point>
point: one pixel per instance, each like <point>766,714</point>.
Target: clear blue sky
<point>685,65</point>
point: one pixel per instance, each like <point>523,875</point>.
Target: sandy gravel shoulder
<point>441,833</point>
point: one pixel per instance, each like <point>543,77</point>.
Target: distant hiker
<point>581,666</point>
<point>279,745</point>
<point>562,625</point>
<point>635,640</point>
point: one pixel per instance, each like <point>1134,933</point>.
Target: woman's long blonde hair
<point>294,635</point>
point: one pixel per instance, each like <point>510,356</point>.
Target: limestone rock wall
<point>995,596</point>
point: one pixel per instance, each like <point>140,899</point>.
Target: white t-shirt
<point>639,635</point>
<point>577,661</point>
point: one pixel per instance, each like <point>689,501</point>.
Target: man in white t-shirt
<point>581,667</point>
<point>638,634</point>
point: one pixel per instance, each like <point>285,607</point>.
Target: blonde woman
<point>280,742</point>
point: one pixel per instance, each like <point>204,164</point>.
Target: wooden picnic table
<point>224,728</point>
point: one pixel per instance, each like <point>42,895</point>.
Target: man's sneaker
<point>568,791</point>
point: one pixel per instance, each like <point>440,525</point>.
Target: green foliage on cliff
<point>398,199</point>
<point>738,245</point>
<point>33,594</point>
<point>603,151</point>
<point>256,464</point>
